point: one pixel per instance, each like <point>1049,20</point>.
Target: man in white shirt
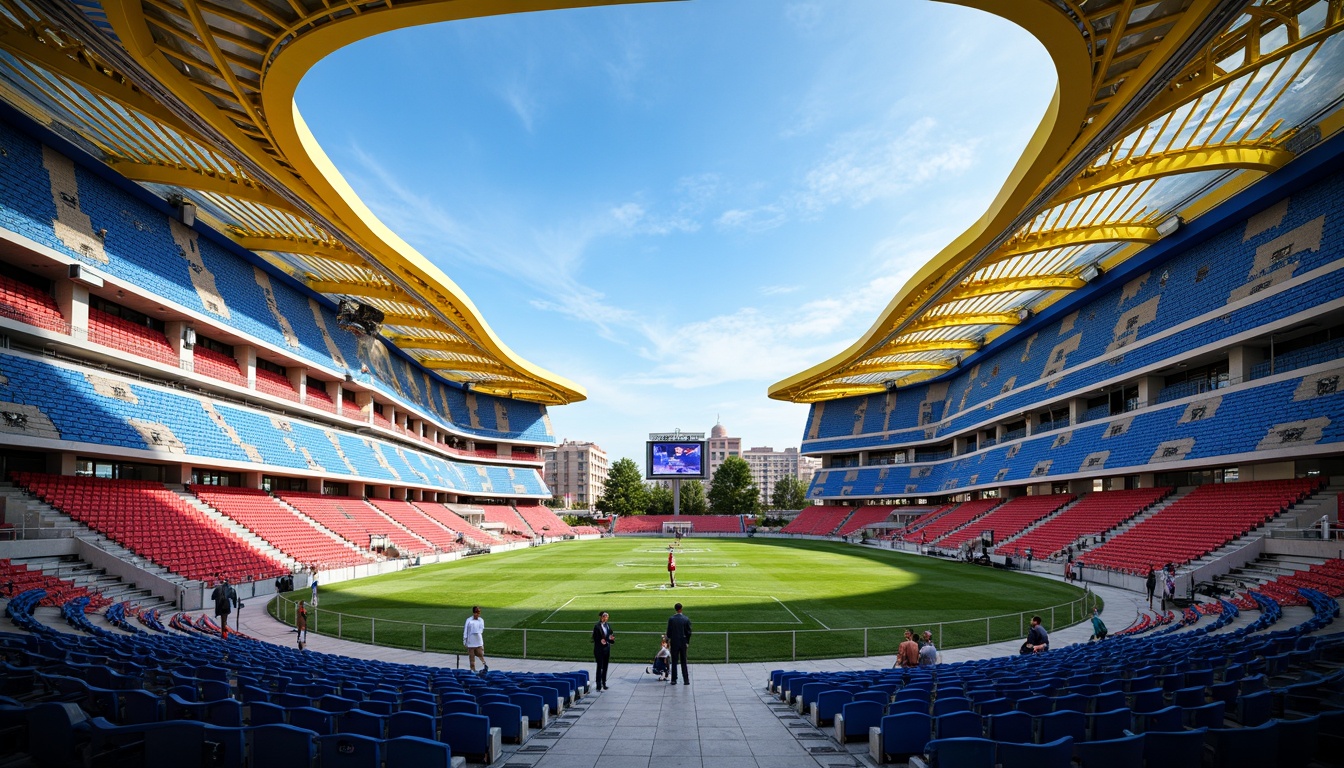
<point>473,637</point>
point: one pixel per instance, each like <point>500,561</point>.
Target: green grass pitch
<point>777,599</point>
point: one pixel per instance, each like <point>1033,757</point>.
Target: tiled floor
<point>724,719</point>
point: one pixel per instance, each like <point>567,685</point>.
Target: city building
<point>721,446</point>
<point>768,466</point>
<point>576,472</point>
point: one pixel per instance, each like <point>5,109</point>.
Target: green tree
<point>733,491</point>
<point>790,493</point>
<point>660,500</point>
<point>556,502</point>
<point>693,498</point>
<point>625,492</point>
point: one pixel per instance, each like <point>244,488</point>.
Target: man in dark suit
<point>603,637</point>
<point>678,638</point>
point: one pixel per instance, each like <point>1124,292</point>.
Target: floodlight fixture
<point>1169,225</point>
<point>1024,314</point>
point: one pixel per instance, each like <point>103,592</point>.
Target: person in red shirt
<point>671,567</point>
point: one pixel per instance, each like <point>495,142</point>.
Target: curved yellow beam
<point>1255,157</point>
<point>1048,146</point>
<point>437,345</point>
<point>465,366</point>
<point>1015,285</point>
<point>291,57</point>
<point>936,345</point>
<point>1074,120</point>
<point>384,292</point>
<point>1063,238</point>
<point>971,318</point>
<point>864,369</point>
<point>412,321</point>
<point>300,247</point>
<point>190,178</point>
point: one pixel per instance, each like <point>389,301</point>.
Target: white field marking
<point>814,618</point>
<point>561,608</point>
<point>664,565</point>
<point>794,615</point>
<point>683,585</point>
<point>659,595</point>
<point>664,551</point>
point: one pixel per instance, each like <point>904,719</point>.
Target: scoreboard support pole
<point>676,496</point>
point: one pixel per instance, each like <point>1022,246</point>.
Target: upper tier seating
<point>139,340</point>
<point>1093,514</point>
<point>208,362</point>
<point>420,524</point>
<point>451,519</point>
<point>1207,518</point>
<point>864,517</point>
<point>319,399</point>
<point>23,302</point>
<point>509,518</point>
<point>963,514</point>
<point>699,523</point>
<point>16,579</point>
<point>354,520</point>
<point>544,521</point>
<point>153,522</point>
<point>272,383</point>
<point>1009,519</point>
<point>280,525</point>
<point>817,520</point>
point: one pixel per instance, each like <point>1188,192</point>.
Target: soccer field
<point>775,599</point>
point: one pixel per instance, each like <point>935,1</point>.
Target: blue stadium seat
<point>1122,752</point>
<point>1055,754</point>
<point>905,734</point>
<point>961,753</point>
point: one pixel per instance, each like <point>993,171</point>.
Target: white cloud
<point>868,165</point>
<point>523,103</point>
<point>778,290</point>
<point>804,16</point>
<point>760,219</point>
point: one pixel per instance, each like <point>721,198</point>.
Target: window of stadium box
<point>117,470</point>
<point>201,476</point>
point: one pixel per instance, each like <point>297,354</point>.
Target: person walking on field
<point>671,566</point>
<point>678,640</point>
<point>603,637</point>
<point>473,637</point>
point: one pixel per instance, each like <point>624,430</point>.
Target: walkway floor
<point>724,719</point>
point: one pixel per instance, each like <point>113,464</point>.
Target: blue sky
<point>678,204</point>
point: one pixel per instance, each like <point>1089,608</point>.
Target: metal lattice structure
<point>1164,110</point>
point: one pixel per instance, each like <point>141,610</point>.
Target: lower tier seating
<point>1095,513</point>
<point>864,517</point>
<point>278,524</point>
<point>420,524</point>
<point>544,521</point>
<point>153,522</point>
<point>699,523</point>
<point>1009,518</point>
<point>450,519</point>
<point>1193,526</point>
<point>963,514</point>
<point>354,520</point>
<point>817,520</point>
<point>16,579</point>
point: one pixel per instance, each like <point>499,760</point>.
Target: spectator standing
<point>1169,587</point>
<point>678,640</point>
<point>225,598</point>
<point>603,637</point>
<point>928,654</point>
<point>313,598</point>
<point>1151,583</point>
<point>907,654</point>
<point>301,624</point>
<point>473,637</point>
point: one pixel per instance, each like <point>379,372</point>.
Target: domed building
<point>721,446</point>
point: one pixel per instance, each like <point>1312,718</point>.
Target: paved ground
<point>724,719</point>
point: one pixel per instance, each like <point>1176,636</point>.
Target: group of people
<point>1168,585</point>
<point>671,654</point>
<point>916,651</point>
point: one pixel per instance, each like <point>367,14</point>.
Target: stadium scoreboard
<point>676,455</point>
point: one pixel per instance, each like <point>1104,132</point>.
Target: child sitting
<point>661,666</point>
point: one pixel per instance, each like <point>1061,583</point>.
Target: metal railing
<point>709,647</point>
